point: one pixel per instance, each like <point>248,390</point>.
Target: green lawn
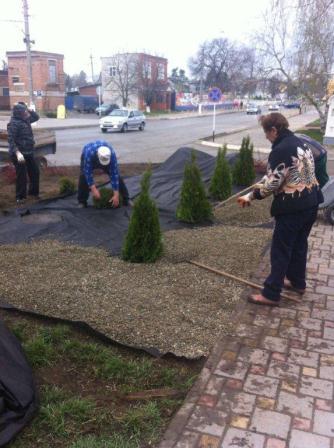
<point>316,134</point>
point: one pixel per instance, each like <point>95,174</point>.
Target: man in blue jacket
<point>100,155</point>
<point>21,150</point>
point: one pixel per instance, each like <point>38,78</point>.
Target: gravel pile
<point>171,306</point>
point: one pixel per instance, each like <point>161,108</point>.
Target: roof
<point>20,54</point>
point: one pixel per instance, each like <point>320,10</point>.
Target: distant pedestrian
<point>21,150</point>
<point>241,105</point>
<point>100,155</point>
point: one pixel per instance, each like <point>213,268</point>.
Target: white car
<point>273,107</point>
<point>122,120</point>
<point>253,109</point>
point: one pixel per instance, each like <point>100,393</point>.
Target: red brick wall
<point>88,90</point>
<point>53,94</point>
<point>4,100</point>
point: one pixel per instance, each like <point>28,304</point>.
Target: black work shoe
<point>82,205</point>
<point>20,201</point>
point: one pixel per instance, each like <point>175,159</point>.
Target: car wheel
<point>329,214</point>
<point>124,128</point>
<point>142,126</point>
<point>103,129</point>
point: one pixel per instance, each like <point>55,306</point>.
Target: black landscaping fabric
<point>61,219</point>
<point>18,397</point>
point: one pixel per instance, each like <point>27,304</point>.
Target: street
<point>159,140</point>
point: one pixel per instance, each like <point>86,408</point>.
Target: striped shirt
<point>91,162</point>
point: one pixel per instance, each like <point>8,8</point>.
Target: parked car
<point>122,120</point>
<point>253,109</point>
<point>106,108</point>
<point>273,107</point>
<point>85,103</point>
<point>292,105</point>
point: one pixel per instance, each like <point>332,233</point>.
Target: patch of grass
<point>61,414</point>
<point>316,134</point>
<point>115,441</point>
<point>20,331</point>
<point>39,352</point>
<point>143,420</point>
<point>314,123</point>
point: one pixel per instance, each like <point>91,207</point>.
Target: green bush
<point>106,194</point>
<point>51,114</point>
<point>221,181</point>
<point>194,206</point>
<point>66,185</point>
<point>244,171</point>
<point>143,242</point>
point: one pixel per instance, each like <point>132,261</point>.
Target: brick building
<point>48,79</point>
<point>146,80</point>
<point>4,90</point>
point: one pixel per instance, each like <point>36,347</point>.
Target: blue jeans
<point>289,252</point>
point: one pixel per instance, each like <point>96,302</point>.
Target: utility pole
<point>27,41</point>
<point>91,64</point>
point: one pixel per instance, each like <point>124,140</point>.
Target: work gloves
<point>20,157</point>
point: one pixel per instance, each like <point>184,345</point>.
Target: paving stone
<point>187,440</point>
<point>231,369</point>
<point>327,373</point>
<point>275,443</point>
<point>208,442</point>
<point>279,357</point>
<point>323,314</point>
<point>253,356</point>
<point>320,345</point>
<point>301,423</point>
<point>209,421</point>
<point>236,438</point>
<point>293,333</point>
<point>208,400</point>
<point>301,439</point>
<point>310,371</point>
<point>214,385</point>
<point>261,385</point>
<point>310,324</point>
<point>239,421</point>
<point>316,388</point>
<point>329,333</point>
<point>275,344</point>
<point>323,405</point>
<point>330,303</point>
<point>229,355</point>
<point>271,322</point>
<point>271,423</point>
<point>327,360</point>
<point>286,313</point>
<point>236,402</point>
<point>324,423</point>
<point>265,403</point>
<point>234,384</point>
<point>295,405</point>
<point>283,370</point>
<point>244,330</point>
<point>294,343</point>
<point>303,357</point>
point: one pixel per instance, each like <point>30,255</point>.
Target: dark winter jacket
<point>20,135</point>
<point>290,176</point>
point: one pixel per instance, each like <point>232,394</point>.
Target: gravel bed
<point>170,305</point>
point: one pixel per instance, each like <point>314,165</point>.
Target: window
<point>15,79</point>
<point>112,71</point>
<point>5,91</point>
<point>52,72</point>
<point>161,71</point>
<point>147,70</point>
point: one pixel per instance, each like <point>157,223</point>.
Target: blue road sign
<point>215,94</point>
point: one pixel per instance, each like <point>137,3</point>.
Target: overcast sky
<point>173,29</point>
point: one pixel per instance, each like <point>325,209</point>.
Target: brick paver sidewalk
<point>271,385</point>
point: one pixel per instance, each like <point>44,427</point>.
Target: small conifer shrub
<point>194,206</point>
<point>66,185</point>
<point>143,242</point>
<point>244,171</point>
<point>221,181</point>
<point>106,195</point>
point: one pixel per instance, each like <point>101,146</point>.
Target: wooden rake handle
<point>238,279</point>
<point>221,204</point>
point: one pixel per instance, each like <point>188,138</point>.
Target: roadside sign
<point>215,94</point>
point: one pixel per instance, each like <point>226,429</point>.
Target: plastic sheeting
<point>62,219</point>
<point>18,399</point>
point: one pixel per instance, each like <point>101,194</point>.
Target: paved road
<point>159,140</point>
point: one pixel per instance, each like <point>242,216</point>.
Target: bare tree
<point>296,44</point>
<point>124,75</point>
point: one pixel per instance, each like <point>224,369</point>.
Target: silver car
<point>123,120</point>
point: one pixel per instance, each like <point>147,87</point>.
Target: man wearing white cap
<point>100,155</point>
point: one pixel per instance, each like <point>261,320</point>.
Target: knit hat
<point>19,109</point>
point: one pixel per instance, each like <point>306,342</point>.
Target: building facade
<point>4,90</point>
<point>136,80</point>
<point>48,79</point>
